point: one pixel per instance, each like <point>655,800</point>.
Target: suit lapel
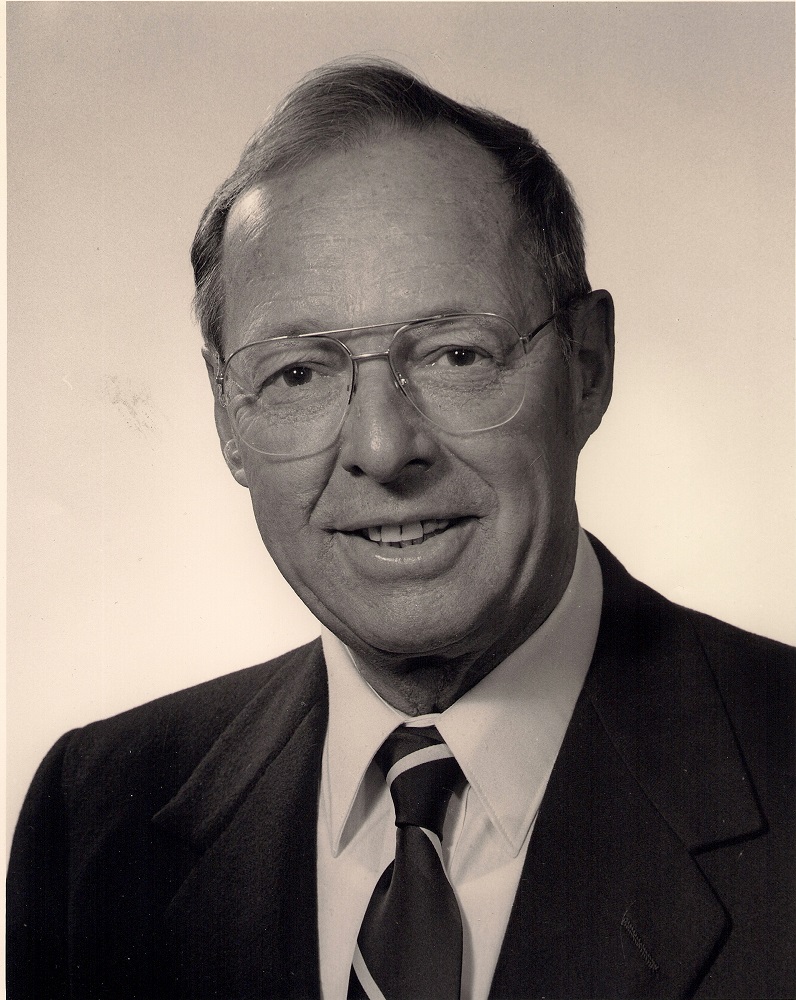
<point>244,921</point>
<point>612,902</point>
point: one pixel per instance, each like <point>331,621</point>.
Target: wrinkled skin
<point>412,225</point>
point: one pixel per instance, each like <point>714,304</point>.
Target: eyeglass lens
<point>290,396</point>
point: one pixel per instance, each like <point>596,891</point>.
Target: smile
<point>403,535</point>
<point>410,551</point>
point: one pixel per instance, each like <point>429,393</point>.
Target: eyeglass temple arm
<point>528,337</point>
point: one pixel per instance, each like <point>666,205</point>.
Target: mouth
<point>401,536</point>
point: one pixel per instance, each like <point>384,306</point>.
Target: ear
<point>226,435</point>
<point>592,361</point>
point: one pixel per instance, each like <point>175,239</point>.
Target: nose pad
<point>397,379</point>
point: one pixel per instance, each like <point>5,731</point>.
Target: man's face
<point>407,226</point>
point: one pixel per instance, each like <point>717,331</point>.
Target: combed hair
<point>348,103</point>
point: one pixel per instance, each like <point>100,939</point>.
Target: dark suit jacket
<point>170,851</point>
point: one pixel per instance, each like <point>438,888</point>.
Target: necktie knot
<point>421,773</point>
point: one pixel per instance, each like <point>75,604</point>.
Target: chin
<point>410,639</point>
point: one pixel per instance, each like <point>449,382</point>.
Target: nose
<point>383,436</point>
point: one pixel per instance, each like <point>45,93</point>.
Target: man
<point>407,358</point>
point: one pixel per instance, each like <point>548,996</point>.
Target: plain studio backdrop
<point>135,567</point>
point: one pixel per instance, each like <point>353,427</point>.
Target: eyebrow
<point>258,328</point>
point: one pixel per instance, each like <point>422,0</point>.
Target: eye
<point>295,375</point>
<point>458,357</point>
<point>461,357</point>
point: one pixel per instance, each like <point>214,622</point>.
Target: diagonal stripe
<point>437,845</point>
<point>366,981</point>
<point>436,752</point>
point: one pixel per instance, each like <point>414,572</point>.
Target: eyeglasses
<point>464,372</point>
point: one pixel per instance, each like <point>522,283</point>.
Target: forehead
<point>404,225</point>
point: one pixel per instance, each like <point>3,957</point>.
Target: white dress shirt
<point>505,732</point>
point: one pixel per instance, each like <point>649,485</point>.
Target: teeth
<point>429,526</point>
<point>405,534</point>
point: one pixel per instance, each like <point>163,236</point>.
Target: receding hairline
<point>354,100</point>
<point>443,135</point>
<point>248,214</point>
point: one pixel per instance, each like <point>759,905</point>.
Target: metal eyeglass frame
<point>398,379</point>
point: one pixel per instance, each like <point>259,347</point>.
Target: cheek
<point>550,432</point>
<point>538,448</point>
<point>531,469</point>
<point>284,494</point>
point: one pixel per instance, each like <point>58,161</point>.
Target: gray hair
<point>346,104</point>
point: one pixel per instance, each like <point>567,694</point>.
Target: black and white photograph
<point>401,484</point>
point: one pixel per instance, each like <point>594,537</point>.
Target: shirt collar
<point>505,732</point>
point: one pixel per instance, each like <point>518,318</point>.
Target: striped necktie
<point>410,943</point>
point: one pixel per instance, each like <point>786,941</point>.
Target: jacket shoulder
<point>645,613</point>
<point>756,678</point>
<point>734,648</point>
<point>155,746</point>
